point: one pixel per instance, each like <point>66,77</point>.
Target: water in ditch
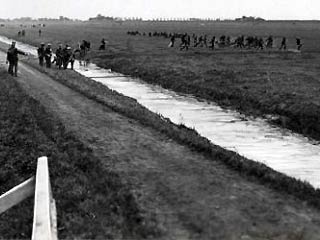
<point>254,138</point>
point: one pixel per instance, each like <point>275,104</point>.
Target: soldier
<point>269,42</point>
<point>12,58</point>
<point>172,40</point>
<point>59,56</point>
<point>48,55</point>
<point>103,45</point>
<point>260,44</point>
<point>83,48</point>
<point>283,44</point>
<point>205,40</point>
<point>223,40</point>
<point>184,42</point>
<point>41,54</point>
<point>228,41</point>
<point>40,32</point>
<point>65,57</point>
<point>195,40</point>
<point>212,42</point>
<point>299,44</point>
<point>200,42</point>
<point>68,57</point>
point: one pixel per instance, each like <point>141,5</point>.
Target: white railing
<point>45,215</point>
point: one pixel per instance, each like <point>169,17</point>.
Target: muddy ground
<point>130,179</point>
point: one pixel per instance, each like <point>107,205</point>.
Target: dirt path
<point>186,195</point>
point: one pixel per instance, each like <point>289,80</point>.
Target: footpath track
<point>186,195</point>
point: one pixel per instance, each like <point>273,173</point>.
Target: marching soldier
<point>48,55</point>
<point>269,42</point>
<point>212,42</point>
<point>41,54</point>
<point>299,44</point>
<point>59,56</point>
<point>68,57</point>
<point>283,44</point>
<point>103,44</point>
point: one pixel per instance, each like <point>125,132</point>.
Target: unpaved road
<point>187,195</point>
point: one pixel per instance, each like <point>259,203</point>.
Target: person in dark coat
<point>212,42</point>
<point>41,54</point>
<point>48,55</point>
<point>299,44</point>
<point>283,44</point>
<point>68,57</point>
<point>103,44</point>
<point>59,56</point>
<point>12,59</point>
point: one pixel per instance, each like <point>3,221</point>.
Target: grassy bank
<point>129,107</point>
<point>91,202</point>
<point>257,83</point>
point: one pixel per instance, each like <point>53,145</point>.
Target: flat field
<point>166,181</point>
<point>282,83</point>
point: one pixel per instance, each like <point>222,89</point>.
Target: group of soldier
<point>241,42</point>
<point>63,55</point>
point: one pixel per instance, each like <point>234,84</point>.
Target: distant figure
<point>205,41</point>
<point>23,33</point>
<point>41,54</point>
<point>269,42</point>
<point>184,42</point>
<point>299,44</point>
<point>68,57</point>
<point>12,58</point>
<point>212,42</point>
<point>260,44</point>
<point>48,55</point>
<point>283,44</point>
<point>59,56</point>
<point>84,47</point>
<point>172,40</point>
<point>103,45</point>
<point>19,33</point>
<point>40,32</point>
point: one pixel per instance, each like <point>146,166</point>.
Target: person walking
<point>41,54</point>
<point>12,59</point>
<point>283,44</point>
<point>299,44</point>
<point>59,56</point>
<point>48,55</point>
<point>103,44</point>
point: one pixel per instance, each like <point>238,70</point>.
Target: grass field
<point>255,82</point>
<point>79,183</point>
<point>233,78</point>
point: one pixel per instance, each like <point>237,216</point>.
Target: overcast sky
<point>83,9</point>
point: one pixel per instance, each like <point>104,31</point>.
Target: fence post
<point>43,219</point>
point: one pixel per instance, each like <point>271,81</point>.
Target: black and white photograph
<point>160,119</point>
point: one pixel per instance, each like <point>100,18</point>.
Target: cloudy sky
<point>83,9</point>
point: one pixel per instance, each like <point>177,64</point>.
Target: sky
<point>148,9</point>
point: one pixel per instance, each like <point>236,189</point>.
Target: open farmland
<point>166,180</point>
<point>255,82</point>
